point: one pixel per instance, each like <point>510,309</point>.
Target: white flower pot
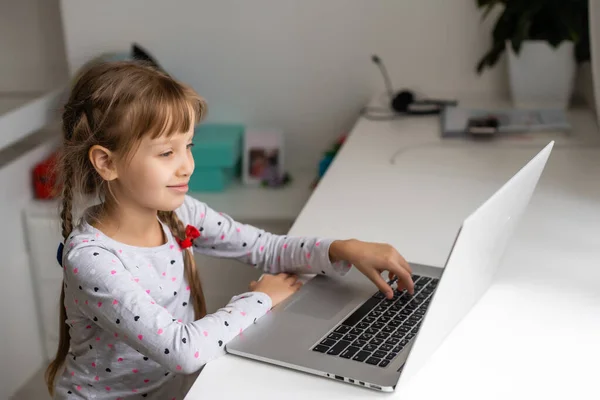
<point>541,76</point>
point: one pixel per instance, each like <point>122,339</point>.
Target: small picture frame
<point>263,158</point>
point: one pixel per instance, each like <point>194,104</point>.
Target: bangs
<point>168,108</point>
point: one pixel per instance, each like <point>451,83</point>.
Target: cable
<point>386,77</point>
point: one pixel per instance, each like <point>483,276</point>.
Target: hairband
<point>191,233</point>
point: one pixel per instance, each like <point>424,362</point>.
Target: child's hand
<point>373,258</point>
<point>277,287</point>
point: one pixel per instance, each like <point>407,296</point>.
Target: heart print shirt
<point>129,311</point>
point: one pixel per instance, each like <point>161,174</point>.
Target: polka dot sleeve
<point>109,296</point>
<point>222,236</point>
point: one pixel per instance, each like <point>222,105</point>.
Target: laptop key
<point>365,336</point>
<point>386,347</point>
<point>397,349</point>
<point>342,329</point>
<point>334,336</point>
<point>397,335</point>
<point>376,341</point>
<point>349,352</point>
<point>370,347</point>
<point>378,325</point>
<point>410,336</point>
<point>369,320</point>
<point>379,354</point>
<point>328,342</point>
<point>384,363</point>
<point>320,348</point>
<point>382,335</point>
<point>400,317</point>
<point>388,329</point>
<point>393,341</point>
<point>391,356</point>
<point>371,331</point>
<point>394,323</point>
<point>339,346</point>
<point>356,331</point>
<point>379,295</point>
<point>359,343</point>
<point>361,356</point>
<point>362,325</point>
<point>351,338</point>
<point>373,361</point>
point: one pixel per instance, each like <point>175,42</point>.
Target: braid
<point>67,196</point>
<point>64,335</point>
<point>178,230</point>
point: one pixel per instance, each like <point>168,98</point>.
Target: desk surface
<point>535,332</point>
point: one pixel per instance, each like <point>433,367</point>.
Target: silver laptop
<point>345,329</point>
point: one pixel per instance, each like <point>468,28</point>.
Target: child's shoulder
<point>85,236</point>
<point>191,211</point>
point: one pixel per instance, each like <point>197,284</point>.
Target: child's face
<point>156,177</point>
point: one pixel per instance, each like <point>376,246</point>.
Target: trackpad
<point>320,302</point>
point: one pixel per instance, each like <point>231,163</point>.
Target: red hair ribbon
<point>191,233</point>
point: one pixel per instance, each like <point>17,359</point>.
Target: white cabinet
<point>43,236</point>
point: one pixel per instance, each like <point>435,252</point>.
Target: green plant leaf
<point>552,21</point>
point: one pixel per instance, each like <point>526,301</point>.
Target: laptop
<point>343,328</point>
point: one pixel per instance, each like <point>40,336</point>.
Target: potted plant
<point>544,39</point>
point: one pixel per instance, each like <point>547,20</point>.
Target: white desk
<point>535,334</point>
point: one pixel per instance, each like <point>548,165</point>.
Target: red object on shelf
<point>44,178</point>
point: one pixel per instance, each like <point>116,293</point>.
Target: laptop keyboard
<point>379,329</point>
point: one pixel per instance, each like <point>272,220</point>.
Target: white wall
<point>303,65</point>
<point>32,60</point>
<point>21,352</point>
<point>32,50</point>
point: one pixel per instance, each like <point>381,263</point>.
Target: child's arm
<point>107,293</point>
<point>221,236</point>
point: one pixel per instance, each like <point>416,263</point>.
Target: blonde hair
<point>115,105</point>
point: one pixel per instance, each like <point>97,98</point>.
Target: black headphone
<point>404,101</point>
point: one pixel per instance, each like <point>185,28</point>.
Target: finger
<point>283,275</point>
<point>253,285</point>
<point>404,278</point>
<point>296,286</point>
<point>292,279</point>
<point>381,284</point>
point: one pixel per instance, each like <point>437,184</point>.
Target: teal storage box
<point>212,179</point>
<point>217,145</point>
<point>217,153</point>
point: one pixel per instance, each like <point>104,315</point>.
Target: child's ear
<point>103,161</point>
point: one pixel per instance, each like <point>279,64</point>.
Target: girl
<point>133,321</point>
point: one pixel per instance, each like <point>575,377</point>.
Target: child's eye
<point>167,154</point>
<point>189,146</point>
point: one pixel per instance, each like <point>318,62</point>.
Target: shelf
<point>242,203</point>
<point>24,113</point>
<point>246,203</point>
